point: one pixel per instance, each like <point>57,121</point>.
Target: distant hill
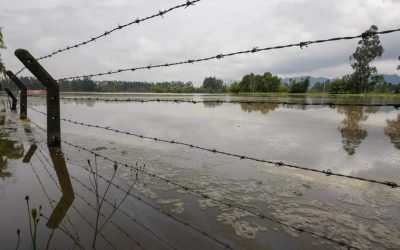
<point>392,78</point>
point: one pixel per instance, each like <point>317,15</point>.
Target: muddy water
<point>361,141</point>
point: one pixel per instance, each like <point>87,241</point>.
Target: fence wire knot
<point>220,56</point>
<point>254,50</point>
<point>328,172</point>
<point>188,3</point>
<point>304,44</point>
<point>392,184</point>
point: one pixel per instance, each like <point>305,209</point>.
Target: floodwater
<point>142,211</point>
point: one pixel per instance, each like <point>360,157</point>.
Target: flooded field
<point>139,193</point>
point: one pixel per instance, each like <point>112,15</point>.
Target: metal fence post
<point>52,96</point>
<point>23,99</point>
<point>14,99</point>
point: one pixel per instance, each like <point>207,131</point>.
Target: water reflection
<point>8,150</point>
<point>264,108</point>
<point>88,103</point>
<point>64,180</point>
<point>352,133</point>
<point>212,104</point>
<point>393,131</point>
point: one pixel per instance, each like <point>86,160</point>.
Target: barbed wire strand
<point>330,104</point>
<point>205,196</point>
<point>90,205</point>
<point>75,208</point>
<point>50,200</point>
<point>66,231</point>
<point>221,56</point>
<point>48,197</point>
<point>327,172</point>
<point>112,205</point>
<point>194,228</point>
<point>137,21</point>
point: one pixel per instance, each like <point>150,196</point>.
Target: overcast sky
<point>206,29</point>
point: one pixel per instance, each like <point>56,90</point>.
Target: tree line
<point>88,85</point>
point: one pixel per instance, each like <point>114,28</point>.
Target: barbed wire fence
<point>326,172</point>
<point>186,188</point>
<point>220,56</point>
<point>134,220</point>
<point>177,101</point>
<point>195,192</point>
<point>139,198</point>
<point>88,203</point>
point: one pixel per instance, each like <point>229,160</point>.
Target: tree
<point>378,84</point>
<point>321,86</point>
<point>248,83</point>
<point>299,87</point>
<point>234,88</point>
<point>337,86</point>
<point>269,83</point>
<point>213,84</point>
<point>369,48</point>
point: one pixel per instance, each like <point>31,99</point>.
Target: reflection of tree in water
<point>87,103</point>
<point>352,133</point>
<point>393,131</point>
<point>264,108</point>
<point>8,150</point>
<point>212,104</point>
<point>371,110</point>
<point>297,106</point>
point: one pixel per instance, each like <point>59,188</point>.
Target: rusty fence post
<point>14,99</point>
<point>23,99</point>
<point>52,96</point>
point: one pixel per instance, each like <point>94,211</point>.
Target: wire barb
<point>253,50</point>
<point>284,103</point>
<point>119,27</point>
<point>215,151</point>
<point>304,44</point>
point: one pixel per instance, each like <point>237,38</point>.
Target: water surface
<point>355,140</point>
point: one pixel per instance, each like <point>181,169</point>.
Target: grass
<point>94,180</point>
